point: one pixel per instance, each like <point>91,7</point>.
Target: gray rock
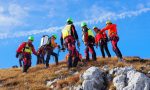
<point>93,79</point>
<point>79,87</point>
<point>118,71</point>
<point>119,81</point>
<point>105,68</point>
<point>128,78</point>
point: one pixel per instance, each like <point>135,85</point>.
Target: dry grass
<point>35,79</point>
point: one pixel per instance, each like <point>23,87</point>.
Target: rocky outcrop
<point>93,79</point>
<point>128,78</point>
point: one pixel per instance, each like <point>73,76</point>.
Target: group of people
<point>69,38</point>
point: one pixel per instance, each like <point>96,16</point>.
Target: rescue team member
<point>89,41</point>
<point>112,33</point>
<point>26,48</point>
<point>101,39</point>
<point>68,39</point>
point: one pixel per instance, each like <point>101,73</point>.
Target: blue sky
<point>21,18</point>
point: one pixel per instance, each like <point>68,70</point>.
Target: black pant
<point>103,46</point>
<point>72,61</point>
<point>40,59</point>
<point>49,53</point>
<point>90,48</point>
<point>20,62</point>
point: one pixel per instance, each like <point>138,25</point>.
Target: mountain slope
<point>38,77</point>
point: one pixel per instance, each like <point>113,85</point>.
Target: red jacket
<point>22,46</point>
<point>112,29</point>
<point>100,36</point>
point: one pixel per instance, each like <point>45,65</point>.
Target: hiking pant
<point>103,46</point>
<point>114,41</point>
<point>26,62</point>
<point>40,59</point>
<point>72,60</point>
<point>20,62</point>
<point>72,56</point>
<point>90,48</point>
<point>49,53</point>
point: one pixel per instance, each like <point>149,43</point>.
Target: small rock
<point>49,83</point>
<point>79,87</point>
<point>105,68</point>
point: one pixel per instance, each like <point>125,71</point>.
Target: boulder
<point>93,79</point>
<point>128,78</point>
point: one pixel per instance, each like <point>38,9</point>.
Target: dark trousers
<point>90,48</point>
<point>40,59</point>
<point>72,59</point>
<point>20,62</point>
<point>103,46</point>
<point>114,41</point>
<point>49,53</point>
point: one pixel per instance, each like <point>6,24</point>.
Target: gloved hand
<point>17,55</point>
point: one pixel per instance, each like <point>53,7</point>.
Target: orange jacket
<point>53,43</point>
<point>112,29</point>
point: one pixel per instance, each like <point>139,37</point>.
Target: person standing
<point>26,49</point>
<point>89,41</point>
<point>68,39</point>
<point>50,46</point>
<point>101,39</point>
<point>114,38</point>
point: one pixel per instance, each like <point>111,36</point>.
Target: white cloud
<point>108,15</point>
<point>17,11</point>
<point>1,9</point>
<point>12,16</point>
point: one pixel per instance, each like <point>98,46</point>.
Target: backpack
<point>44,40</point>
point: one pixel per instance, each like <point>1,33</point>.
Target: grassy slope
<point>14,79</point>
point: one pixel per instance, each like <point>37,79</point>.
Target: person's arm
<point>33,50</point>
<point>19,50</point>
<point>104,29</point>
<point>74,32</point>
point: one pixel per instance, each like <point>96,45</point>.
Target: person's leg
<point>47,59</point>
<point>24,64</point>
<point>115,48</point>
<point>70,59</point>
<point>87,53</point>
<point>102,49</point>
<point>43,61</point>
<point>56,57</point>
<point>20,62</point>
<point>106,49</point>
<point>92,51</point>
<point>28,62</point>
<point>38,57</point>
<point>75,61</point>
